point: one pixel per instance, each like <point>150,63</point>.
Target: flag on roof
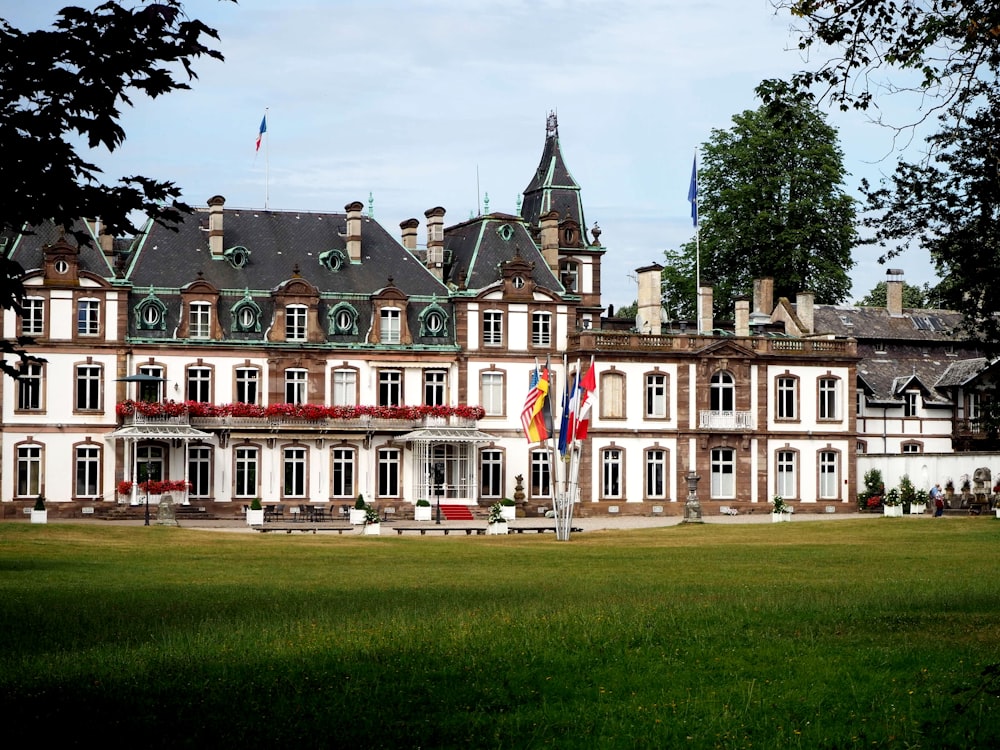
<point>263,129</point>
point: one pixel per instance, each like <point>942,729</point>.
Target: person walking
<point>938,497</point>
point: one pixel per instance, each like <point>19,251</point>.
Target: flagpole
<point>267,164</point>
<point>693,197</point>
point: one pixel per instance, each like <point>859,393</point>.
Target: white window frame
<point>390,387</point>
<point>492,328</point>
<point>390,325</point>
<point>199,384</point>
<point>296,385</point>
<point>295,322</point>
<point>199,471</point>
<point>656,395</point>
<point>199,320</point>
<point>343,463</point>
<point>28,482</point>
<point>345,388</point>
<point>246,471</point>
<point>88,317</point>
<point>787,395</point>
<point>491,386</point>
<point>33,316</point>
<point>87,471</point>
<point>294,476</point>
<point>389,467</point>
<point>786,473</point>
<point>491,473</point>
<point>829,403</point>
<point>247,385</point>
<point>723,465</point>
<point>657,474</point>
<point>829,475</point>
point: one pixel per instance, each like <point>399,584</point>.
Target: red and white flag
<point>260,133</point>
<point>586,394</point>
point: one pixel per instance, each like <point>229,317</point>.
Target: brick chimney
<point>354,230</point>
<point>894,292</point>
<point>409,229</point>
<point>215,205</point>
<point>742,327</point>
<point>763,296</point>
<point>435,240</point>
<point>706,320</point>
<point>550,240</point>
<point>649,299</point>
<point>804,309</point>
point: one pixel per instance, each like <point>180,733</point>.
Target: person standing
<point>938,497</point>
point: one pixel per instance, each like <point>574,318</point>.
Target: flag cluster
<point>536,416</point>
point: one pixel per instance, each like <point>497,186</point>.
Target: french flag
<point>586,395</point>
<point>260,133</point>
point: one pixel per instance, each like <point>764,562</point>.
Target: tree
<point>67,84</point>
<point>771,203</point>
<point>953,47</point>
<point>950,204</point>
<point>914,297</point>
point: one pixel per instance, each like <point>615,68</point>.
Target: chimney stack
<point>435,240</point>
<point>649,299</point>
<point>742,327</point>
<point>706,320</point>
<point>354,230</point>
<point>215,205</point>
<point>550,240</point>
<point>894,292</point>
<point>409,228</point>
<point>763,296</point>
<point>804,309</point>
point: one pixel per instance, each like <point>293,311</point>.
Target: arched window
<point>723,392</point>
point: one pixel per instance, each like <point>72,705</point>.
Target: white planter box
<point>917,509</point>
<point>357,516</point>
<point>372,529</point>
<point>781,517</point>
<point>508,512</point>
<point>422,513</point>
<point>39,516</point>
<point>892,511</point>
<point>255,517</point>
<point>499,528</point>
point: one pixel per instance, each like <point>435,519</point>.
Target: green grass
<point>869,633</point>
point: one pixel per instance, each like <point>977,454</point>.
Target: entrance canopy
<point>447,435</point>
<point>159,431</point>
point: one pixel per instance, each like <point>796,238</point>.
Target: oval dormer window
<point>435,323</point>
<point>150,316</point>
<point>246,318</point>
<point>505,232</point>
<point>61,266</point>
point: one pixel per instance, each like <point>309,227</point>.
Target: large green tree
<point>771,203</point>
<point>62,90</point>
<point>916,297</point>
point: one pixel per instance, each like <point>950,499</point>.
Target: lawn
<point>871,633</point>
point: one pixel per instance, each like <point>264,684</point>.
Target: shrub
<point>40,503</point>
<point>423,503</point>
<point>359,504</point>
<point>255,504</point>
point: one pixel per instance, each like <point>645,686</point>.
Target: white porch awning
<point>447,435</point>
<point>158,431</point>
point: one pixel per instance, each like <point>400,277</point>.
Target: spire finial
<point>551,125</point>
<point>371,206</point>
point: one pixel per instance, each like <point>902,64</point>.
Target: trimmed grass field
<point>870,633</point>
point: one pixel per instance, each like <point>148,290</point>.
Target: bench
<point>303,528</point>
<point>446,529</point>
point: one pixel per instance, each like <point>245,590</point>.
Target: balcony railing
<point>725,420</point>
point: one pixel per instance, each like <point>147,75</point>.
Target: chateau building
<point>308,357</point>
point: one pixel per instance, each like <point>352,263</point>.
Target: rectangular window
<point>295,386</point>
<point>88,471</point>
<point>656,396</point>
<point>199,384</point>
<point>342,471</point>
<point>541,476</point>
<point>491,385</point>
<point>723,474</point>
<point>294,472</point>
<point>975,405</point>
<point>88,387</point>
<point>29,387</point>
<point>246,472</point>
<point>435,382</point>
<point>199,471</point>
<point>828,476</point>
<point>29,470</point>
<point>910,401</point>
<point>345,388</point>
<point>656,475</point>
<point>492,328</point>
<point>88,317</point>
<point>389,325</point>
<point>151,391</point>
<point>827,398</point>
<point>786,484</point>
<point>33,316</point>
<point>199,320</point>
<point>388,472</point>
<point>611,474</point>
<point>787,397</point>
<point>490,474</point>
<point>911,447</point>
<point>541,329</point>
<point>247,385</point>
<point>295,323</point>
<point>390,388</point>
<point>612,395</point>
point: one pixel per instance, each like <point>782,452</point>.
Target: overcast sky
<point>423,103</point>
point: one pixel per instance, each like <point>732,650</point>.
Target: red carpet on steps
<point>456,513</point>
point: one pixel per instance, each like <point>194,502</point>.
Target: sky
<point>422,103</point>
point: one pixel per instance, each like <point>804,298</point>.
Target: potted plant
<point>422,510</point>
<point>508,509</point>
<point>871,497</point>
<point>497,524</point>
<point>124,490</point>
<point>358,511</point>
<point>892,504</point>
<point>255,514</point>
<point>919,504</point>
<point>780,510</point>
<point>907,494</point>
<point>373,524</point>
<point>38,513</point>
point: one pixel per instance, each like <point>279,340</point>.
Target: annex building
<point>308,357</point>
